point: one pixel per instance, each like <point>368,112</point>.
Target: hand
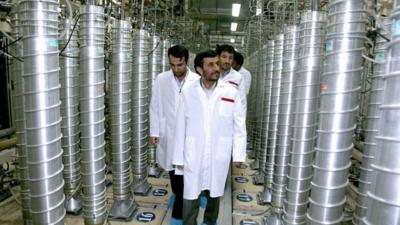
<point>237,164</point>
<point>154,140</point>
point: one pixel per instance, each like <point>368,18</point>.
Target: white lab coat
<point>235,79</point>
<point>209,132</point>
<point>247,79</point>
<point>163,108</point>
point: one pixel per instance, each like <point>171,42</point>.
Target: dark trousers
<point>177,189</point>
<point>191,210</point>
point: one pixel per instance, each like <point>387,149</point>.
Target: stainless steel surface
<point>39,28</point>
<point>260,112</point>
<point>69,95</point>
<point>311,52</point>
<point>91,68</point>
<point>285,118</point>
<point>155,66</point>
<point>255,165</point>
<point>140,108</point>
<point>384,191</point>
<point>373,121</point>
<point>166,44</point>
<point>251,105</point>
<point>120,118</point>
<point>265,196</point>
<point>19,121</point>
<point>340,85</point>
<point>274,110</point>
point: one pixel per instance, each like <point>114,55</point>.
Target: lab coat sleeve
<point>180,133</point>
<point>239,132</point>
<point>248,83</point>
<point>242,93</point>
<point>154,111</point>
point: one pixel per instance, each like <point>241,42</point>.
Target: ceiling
<point>216,16</point>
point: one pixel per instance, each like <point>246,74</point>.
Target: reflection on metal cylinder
<point>39,28</point>
<point>19,121</point>
<point>140,110</point>
<point>340,87</point>
<point>259,107</point>
<point>252,66</point>
<point>69,94</point>
<point>255,126</point>
<point>155,67</point>
<point>265,196</point>
<point>373,122</point>
<point>274,110</point>
<point>120,118</point>
<point>166,44</point>
<point>384,190</point>
<point>286,104</point>
<point>120,111</point>
<point>91,38</point>
<point>311,53</point>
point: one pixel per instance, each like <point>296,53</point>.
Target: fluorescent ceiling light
<point>234,26</point>
<point>235,10</point>
<point>232,40</point>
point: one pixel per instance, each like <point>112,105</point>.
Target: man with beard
<point>226,56</point>
<point>210,131</point>
<point>167,88</point>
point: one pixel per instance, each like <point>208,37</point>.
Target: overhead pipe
<point>340,89</point>
<point>307,86</point>
<point>373,121</point>
<point>140,111</point>
<point>69,95</point>
<point>120,117</point>
<point>91,68</point>
<point>38,21</point>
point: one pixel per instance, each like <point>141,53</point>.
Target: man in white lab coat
<point>167,88</point>
<point>238,66</point>
<point>210,131</point>
<point>226,55</point>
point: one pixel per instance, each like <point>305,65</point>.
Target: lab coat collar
<point>189,77</point>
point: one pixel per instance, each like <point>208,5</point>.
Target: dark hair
<point>179,51</point>
<point>225,48</point>
<point>198,60</point>
<point>238,58</point>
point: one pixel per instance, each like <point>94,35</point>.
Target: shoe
<point>203,202</point>
<point>176,221</point>
<point>171,201</point>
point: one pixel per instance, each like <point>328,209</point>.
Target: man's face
<point>178,65</point>
<point>210,69</point>
<point>225,60</point>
